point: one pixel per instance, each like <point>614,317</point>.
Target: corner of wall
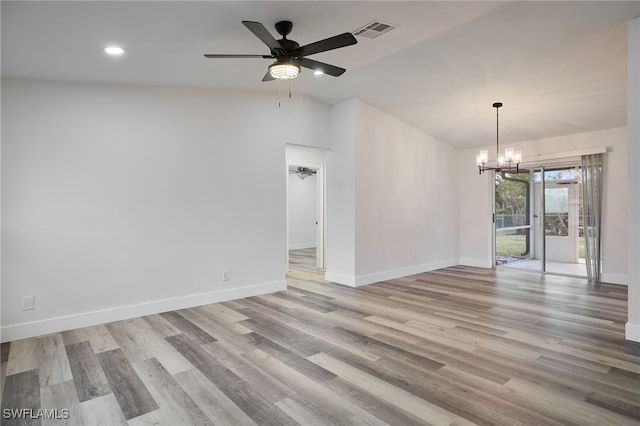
<point>633,173</point>
<point>632,332</point>
<point>342,279</point>
<point>620,279</point>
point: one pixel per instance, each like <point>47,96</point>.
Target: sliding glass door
<point>538,221</point>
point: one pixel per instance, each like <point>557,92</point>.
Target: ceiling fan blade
<point>268,77</point>
<point>263,34</point>
<point>335,42</point>
<point>224,55</point>
<point>321,66</point>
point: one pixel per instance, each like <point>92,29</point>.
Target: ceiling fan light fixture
<point>289,55</point>
<point>282,70</point>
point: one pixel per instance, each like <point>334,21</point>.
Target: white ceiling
<point>558,67</point>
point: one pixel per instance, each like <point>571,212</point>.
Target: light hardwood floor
<point>304,260</point>
<point>456,346</point>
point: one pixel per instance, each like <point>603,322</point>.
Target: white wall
<point>475,216</point>
<point>475,213</point>
<point>406,199</point>
<point>633,123</point>
<point>340,196</point>
<point>303,208</point>
<point>307,155</point>
<point>119,201</point>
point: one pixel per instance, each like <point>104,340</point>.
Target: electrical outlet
<point>226,275</point>
<point>415,256</point>
<point>28,303</point>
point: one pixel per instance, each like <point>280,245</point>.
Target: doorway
<point>538,220</point>
<point>305,210</point>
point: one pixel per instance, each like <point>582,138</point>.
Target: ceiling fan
<point>302,172</point>
<point>289,55</point>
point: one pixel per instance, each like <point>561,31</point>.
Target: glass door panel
<point>561,222</point>
<point>512,218</point>
<point>560,242</point>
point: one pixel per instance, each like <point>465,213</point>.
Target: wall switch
<point>226,275</point>
<point>28,303</point>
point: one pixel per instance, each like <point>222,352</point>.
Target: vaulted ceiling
<point>558,67</point>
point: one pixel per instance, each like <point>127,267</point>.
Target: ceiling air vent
<point>374,29</point>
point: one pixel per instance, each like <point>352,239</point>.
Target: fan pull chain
<point>280,92</point>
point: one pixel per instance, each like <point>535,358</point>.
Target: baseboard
<point>632,332</point>
<point>343,279</point>
<point>360,280</point>
<point>297,246</point>
<point>86,319</point>
<point>615,279</point>
<point>478,263</point>
<point>403,272</point>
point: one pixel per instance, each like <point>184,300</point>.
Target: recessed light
<point>114,50</point>
<point>318,72</point>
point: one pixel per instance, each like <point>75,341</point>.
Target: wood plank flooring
<point>457,346</point>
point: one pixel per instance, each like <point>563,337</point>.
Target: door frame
<point>320,211</point>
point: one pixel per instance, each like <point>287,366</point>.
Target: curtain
<point>592,214</point>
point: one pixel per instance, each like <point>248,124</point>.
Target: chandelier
<point>507,162</point>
